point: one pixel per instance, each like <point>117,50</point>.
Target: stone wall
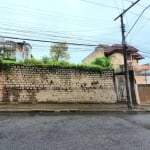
<point>34,84</point>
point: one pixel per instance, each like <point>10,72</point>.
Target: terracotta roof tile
<point>118,48</point>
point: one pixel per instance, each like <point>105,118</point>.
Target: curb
<point>58,111</point>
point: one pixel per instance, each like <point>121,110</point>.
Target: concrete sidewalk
<point>18,108</point>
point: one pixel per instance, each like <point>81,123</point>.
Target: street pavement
<point>75,131</point>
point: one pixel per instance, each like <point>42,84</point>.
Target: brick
<point>43,84</point>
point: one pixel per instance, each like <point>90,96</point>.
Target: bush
<point>62,64</point>
<point>32,61</point>
<point>102,62</point>
<point>45,59</point>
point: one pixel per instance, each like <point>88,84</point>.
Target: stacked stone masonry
<point>33,84</point>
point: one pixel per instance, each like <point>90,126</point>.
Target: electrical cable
<point>137,20</point>
<point>43,34</point>
<point>47,41</point>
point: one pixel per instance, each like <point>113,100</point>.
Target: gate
<point>121,87</point>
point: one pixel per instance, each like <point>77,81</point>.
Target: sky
<point>88,22</point>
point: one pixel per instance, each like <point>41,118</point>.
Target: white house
<point>15,50</point>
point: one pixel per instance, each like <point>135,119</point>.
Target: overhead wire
<point>66,17</point>
<point>117,6</point>
<point>48,35</point>
<point>38,30</point>
<point>88,1</point>
<point>23,10</point>
<point>137,20</point>
<point>97,3</point>
<point>45,29</point>
<point>47,41</point>
<point>101,4</point>
<point>133,2</point>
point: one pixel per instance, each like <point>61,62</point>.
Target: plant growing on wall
<point>45,59</point>
<point>59,52</point>
<point>103,62</point>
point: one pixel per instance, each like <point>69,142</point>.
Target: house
<point>23,51</point>
<point>142,74</point>
<point>15,50</point>
<point>115,53</point>
<point>8,49</point>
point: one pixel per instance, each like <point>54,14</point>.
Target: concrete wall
<point>44,84</point>
<point>117,59</point>
<point>141,79</point>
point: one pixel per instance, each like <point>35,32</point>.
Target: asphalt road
<point>75,132</point>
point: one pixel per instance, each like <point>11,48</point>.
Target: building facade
<point>115,53</point>
<point>18,51</point>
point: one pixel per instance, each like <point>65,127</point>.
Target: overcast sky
<point>76,21</point>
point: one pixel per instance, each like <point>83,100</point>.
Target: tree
<point>103,62</point>
<point>59,52</point>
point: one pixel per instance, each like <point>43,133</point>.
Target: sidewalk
<point>27,108</point>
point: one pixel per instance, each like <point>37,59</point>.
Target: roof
<point>138,56</point>
<point>118,48</point>
<point>109,50</point>
<point>21,44</point>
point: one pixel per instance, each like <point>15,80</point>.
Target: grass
<point>49,63</point>
<point>8,61</point>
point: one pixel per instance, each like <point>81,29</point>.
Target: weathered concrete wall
<point>46,84</point>
<point>141,79</point>
<point>117,59</point>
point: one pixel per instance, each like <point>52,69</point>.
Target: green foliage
<point>32,61</point>
<point>59,52</point>
<point>8,61</point>
<point>103,62</point>
<point>60,64</point>
<point>45,59</point>
<point>1,57</point>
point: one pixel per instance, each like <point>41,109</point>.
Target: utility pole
<point>124,47</point>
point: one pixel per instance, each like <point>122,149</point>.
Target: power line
<point>137,20</point>
<point>101,4</point>
<point>69,47</point>
<point>145,52</point>
<point>37,30</point>
<point>43,13</point>
<point>47,41</point>
<point>47,14</point>
<point>45,27</point>
<point>88,1</point>
<point>41,34</point>
<point>117,6</point>
<point>133,2</point>
<point>98,3</point>
<point>23,24</point>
